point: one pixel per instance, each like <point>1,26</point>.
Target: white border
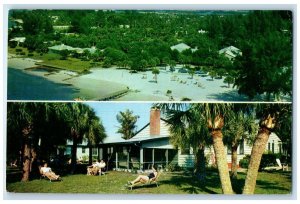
<point>155,4</point>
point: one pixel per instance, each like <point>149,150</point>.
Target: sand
<point>142,86</point>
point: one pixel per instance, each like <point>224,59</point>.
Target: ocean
<point>23,86</point>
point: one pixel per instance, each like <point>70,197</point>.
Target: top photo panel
<point>150,55</point>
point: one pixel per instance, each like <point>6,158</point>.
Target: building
<point>181,47</point>
<point>230,52</point>
<point>61,47</point>
<point>151,145</point>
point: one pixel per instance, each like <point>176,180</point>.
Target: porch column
<point>167,157</point>
<point>153,159</point>
<point>141,158</point>
<point>117,166</point>
<point>127,159</point>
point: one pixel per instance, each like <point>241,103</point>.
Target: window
<point>185,151</point>
<point>242,147</point>
<point>273,147</point>
<point>269,146</point>
<point>83,150</point>
<point>94,151</point>
<point>229,150</point>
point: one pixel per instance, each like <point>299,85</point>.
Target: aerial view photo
<point>150,55</point>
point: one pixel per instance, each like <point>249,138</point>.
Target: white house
<point>181,47</point>
<point>230,52</point>
<point>151,144</point>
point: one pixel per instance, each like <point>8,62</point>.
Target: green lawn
<point>169,183</point>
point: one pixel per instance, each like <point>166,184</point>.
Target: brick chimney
<point>154,121</point>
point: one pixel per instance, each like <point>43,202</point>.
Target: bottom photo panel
<point>149,148</point>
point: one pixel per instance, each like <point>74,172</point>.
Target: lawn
<point>169,183</point>
<point>53,60</point>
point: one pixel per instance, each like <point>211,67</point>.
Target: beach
<point>101,83</point>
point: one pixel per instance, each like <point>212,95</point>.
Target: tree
<point>155,71</point>
<point>188,129</point>
<point>213,114</point>
<point>239,126</point>
<point>272,116</point>
<point>128,124</point>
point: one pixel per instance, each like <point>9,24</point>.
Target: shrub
<point>245,161</point>
<point>19,50</point>
<point>169,92</point>
<point>173,167</point>
<point>30,54</point>
<point>22,53</point>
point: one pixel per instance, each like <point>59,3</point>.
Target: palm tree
<point>96,132</point>
<point>155,71</point>
<point>128,123</point>
<point>213,114</point>
<point>241,125</point>
<point>271,116</point>
<point>188,129</point>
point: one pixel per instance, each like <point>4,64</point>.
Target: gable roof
<point>180,47</point>
<point>143,134</point>
<point>231,51</point>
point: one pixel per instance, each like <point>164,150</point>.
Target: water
<point>23,86</point>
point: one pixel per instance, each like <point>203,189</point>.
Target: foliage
<point>128,123</point>
<point>244,162</point>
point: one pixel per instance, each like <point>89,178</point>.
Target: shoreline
<point>116,84</point>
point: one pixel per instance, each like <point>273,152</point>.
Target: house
<point>230,52</point>
<point>181,47</point>
<point>18,40</point>
<point>151,145</point>
<point>59,48</point>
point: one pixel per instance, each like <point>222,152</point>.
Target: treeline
<point>143,39</point>
<point>35,131</point>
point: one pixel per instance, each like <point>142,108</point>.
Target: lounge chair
<point>280,166</point>
<point>44,176</point>
<point>150,182</point>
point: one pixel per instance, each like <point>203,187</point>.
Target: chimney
<point>154,121</point>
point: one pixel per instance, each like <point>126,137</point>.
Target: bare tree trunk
<point>256,154</point>
<point>234,161</point>
<point>221,161</point>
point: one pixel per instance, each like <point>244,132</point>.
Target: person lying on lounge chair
<point>47,171</point>
<point>144,178</point>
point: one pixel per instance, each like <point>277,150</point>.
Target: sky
<point>107,112</point>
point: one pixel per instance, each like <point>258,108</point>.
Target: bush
<point>30,55</point>
<point>269,159</point>
<point>244,163</point>
<point>173,167</point>
<point>19,50</point>
<point>22,53</point>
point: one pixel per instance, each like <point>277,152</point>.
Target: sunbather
<point>47,171</point>
<point>144,178</point>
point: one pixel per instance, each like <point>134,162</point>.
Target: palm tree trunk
<point>74,155</point>
<point>90,155</point>
<point>200,170</point>
<point>221,161</point>
<point>256,154</point>
<point>234,161</point>
<point>26,162</point>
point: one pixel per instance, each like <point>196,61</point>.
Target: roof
<point>180,47</point>
<point>69,48</point>
<point>231,51</point>
<point>142,135</point>
<point>18,39</point>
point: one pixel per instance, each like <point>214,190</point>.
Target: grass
<point>53,60</point>
<point>169,183</point>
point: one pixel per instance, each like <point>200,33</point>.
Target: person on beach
<point>144,178</point>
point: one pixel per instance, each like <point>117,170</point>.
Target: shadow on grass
<point>190,184</point>
<point>228,96</point>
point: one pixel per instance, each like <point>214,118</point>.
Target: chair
<point>43,175</point>
<point>150,182</point>
<point>280,166</point>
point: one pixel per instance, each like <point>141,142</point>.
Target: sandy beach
<point>102,82</point>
